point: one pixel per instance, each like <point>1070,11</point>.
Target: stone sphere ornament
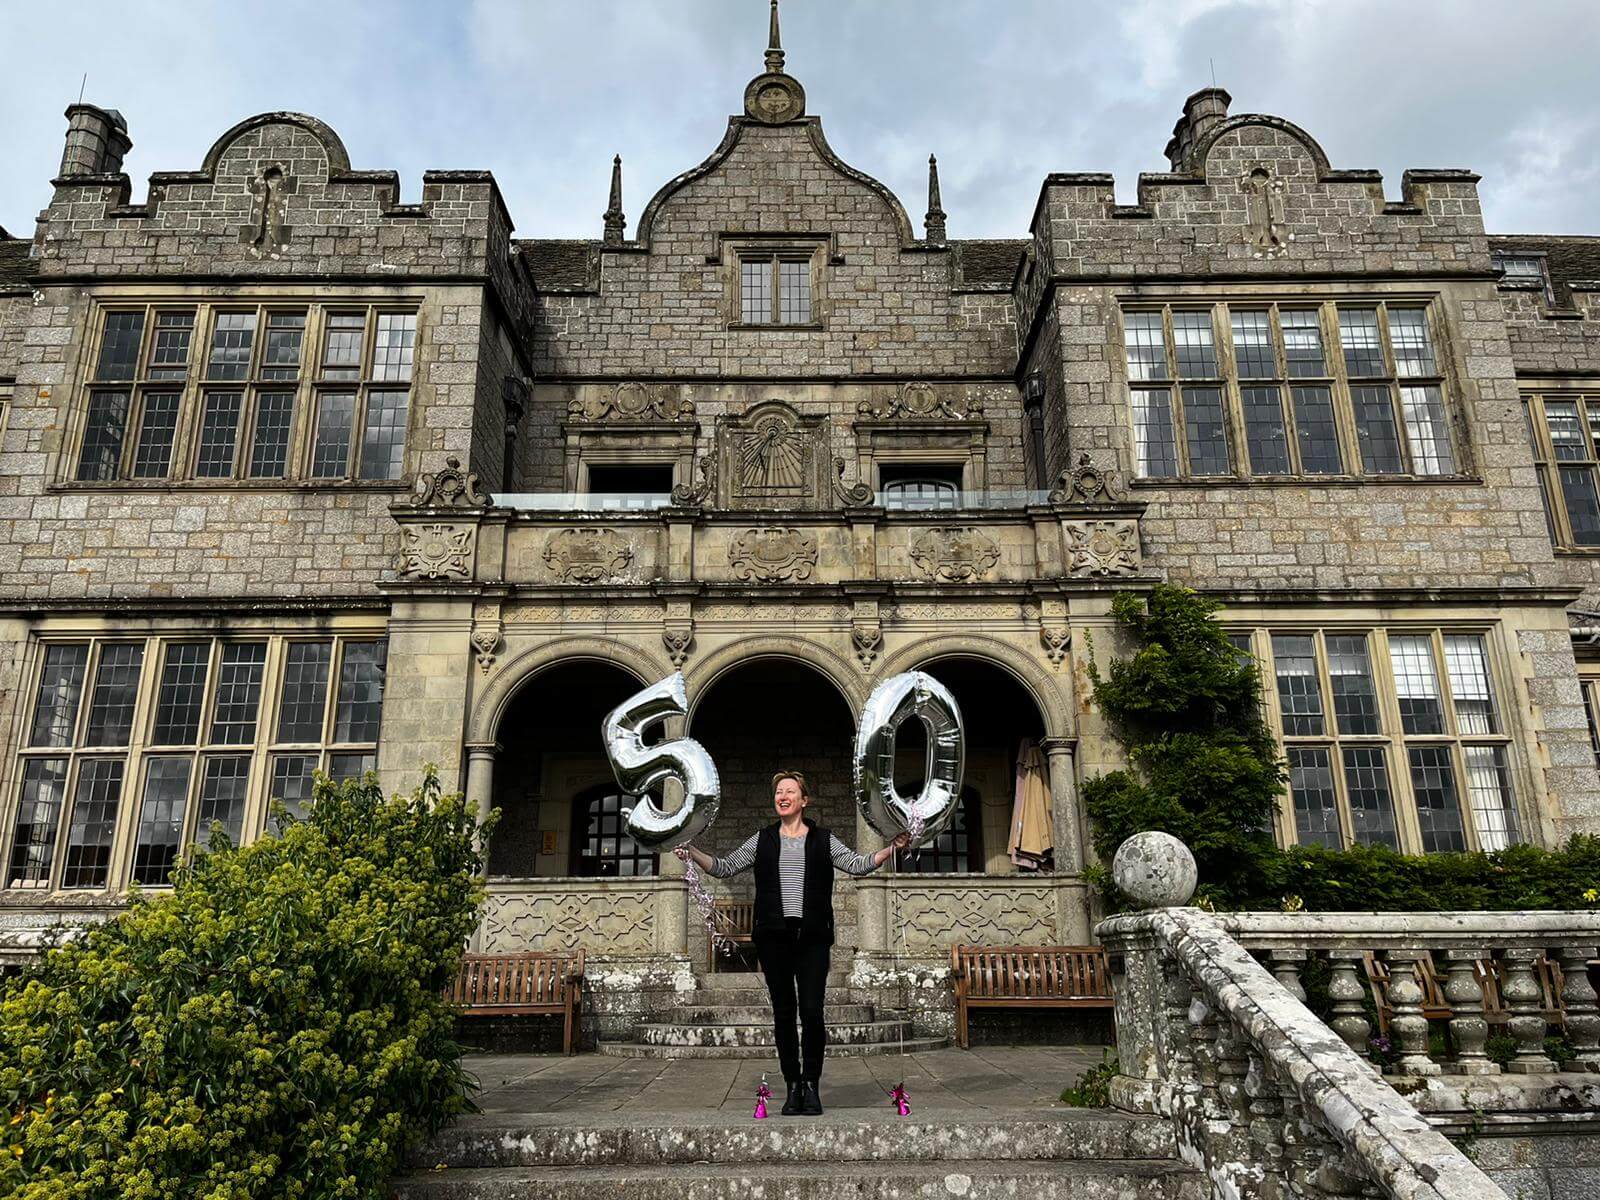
<point>639,768</point>
<point>892,703</point>
<point>1155,870</point>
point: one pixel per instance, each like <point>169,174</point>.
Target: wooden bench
<point>1028,977</point>
<point>1435,1007</point>
<point>735,921</point>
<point>515,985</point>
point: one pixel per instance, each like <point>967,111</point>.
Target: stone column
<point>480,776</point>
<point>1068,827</point>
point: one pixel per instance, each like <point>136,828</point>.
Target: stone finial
<point>615,221</point>
<point>97,140</point>
<point>1155,870</point>
<point>774,44</point>
<point>933,223</point>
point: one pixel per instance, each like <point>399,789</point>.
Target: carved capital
<point>587,555</point>
<point>677,639</point>
<point>450,487</point>
<point>771,555</point>
<point>1103,547</point>
<point>867,640</point>
<point>486,635</point>
<point>955,554</point>
<point>436,551</point>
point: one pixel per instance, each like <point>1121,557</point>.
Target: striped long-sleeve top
<point>792,866</point>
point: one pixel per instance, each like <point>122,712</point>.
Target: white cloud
<point>543,92</point>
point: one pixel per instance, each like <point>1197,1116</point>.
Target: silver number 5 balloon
<point>639,768</point>
<point>892,703</point>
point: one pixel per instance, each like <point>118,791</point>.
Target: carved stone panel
<point>772,457</point>
<point>436,551</point>
<point>632,402</point>
<point>621,922</point>
<point>1103,547</point>
<point>936,918</point>
<point>921,400</point>
<point>955,554</point>
<point>772,555</point>
<point>587,555</point>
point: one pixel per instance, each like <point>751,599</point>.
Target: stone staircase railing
<point>1268,1100</point>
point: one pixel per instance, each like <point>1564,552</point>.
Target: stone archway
<point>488,710</point>
<point>1050,692</point>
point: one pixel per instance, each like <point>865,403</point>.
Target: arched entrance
<point>761,716</point>
<point>553,786</point>
<point>999,715</point>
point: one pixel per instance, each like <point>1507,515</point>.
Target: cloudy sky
<point>544,92</point>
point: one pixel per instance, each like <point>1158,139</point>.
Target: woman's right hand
<point>683,853</point>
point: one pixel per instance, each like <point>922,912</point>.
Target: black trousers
<point>797,978</point>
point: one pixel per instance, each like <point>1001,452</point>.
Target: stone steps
<point>643,1050</point>
<point>760,1033</point>
<point>609,1139</point>
<point>718,981</point>
<point>759,1014</point>
<point>757,997</point>
<point>1109,1179</point>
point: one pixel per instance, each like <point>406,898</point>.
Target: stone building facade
<point>296,477</point>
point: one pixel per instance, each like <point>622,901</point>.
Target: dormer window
<point>1527,270</point>
<point>920,486</point>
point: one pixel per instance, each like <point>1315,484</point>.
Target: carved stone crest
<point>1103,547</point>
<point>486,640</point>
<point>1056,639</point>
<point>587,555</point>
<point>632,402</point>
<point>1264,192</point>
<point>921,401</point>
<point>677,640</point>
<point>955,554</point>
<point>771,555</point>
<point>1084,484</point>
<point>868,642</point>
<point>449,488</point>
<point>267,234</point>
<point>436,552</point>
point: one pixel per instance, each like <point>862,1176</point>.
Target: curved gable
<point>338,159</point>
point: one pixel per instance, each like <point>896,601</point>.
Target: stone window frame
<point>1589,689</point>
<point>581,802</point>
<point>195,385</point>
<point>931,860</point>
<point>139,749</point>
<point>1391,738</point>
<point>1565,538</point>
<point>1336,379</point>
<point>776,249</point>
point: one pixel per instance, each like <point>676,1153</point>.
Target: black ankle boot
<point>810,1099</point>
<point>792,1107</point>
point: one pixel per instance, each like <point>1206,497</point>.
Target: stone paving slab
<point>988,1078</point>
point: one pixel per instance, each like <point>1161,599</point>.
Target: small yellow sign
<point>549,841</point>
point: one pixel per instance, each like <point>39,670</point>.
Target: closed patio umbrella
<point>1032,845</point>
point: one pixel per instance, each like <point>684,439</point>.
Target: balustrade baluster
<point>1583,1016</point>
<point>1523,996</point>
<point>1468,1028</point>
<point>1347,991</point>
<point>1286,966</point>
<point>1408,1026</point>
<point>1267,1129</point>
<point>1173,1034</point>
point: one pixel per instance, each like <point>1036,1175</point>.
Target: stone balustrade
<point>1265,1097</point>
<point>1467,974</point>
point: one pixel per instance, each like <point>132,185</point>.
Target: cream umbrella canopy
<point>1031,843</point>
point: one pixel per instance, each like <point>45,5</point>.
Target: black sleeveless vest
<point>816,923</point>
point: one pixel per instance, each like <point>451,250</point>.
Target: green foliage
<point>272,1027</point>
<point>1203,764</point>
<point>1187,707</point>
<point>1093,1089</point>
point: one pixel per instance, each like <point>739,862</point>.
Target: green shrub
<point>1093,1089</point>
<point>1203,764</point>
<point>272,1027</point>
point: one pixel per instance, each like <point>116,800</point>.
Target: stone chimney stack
<point>97,139</point>
<point>1201,111</point>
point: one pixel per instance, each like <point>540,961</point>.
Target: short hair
<point>794,775</point>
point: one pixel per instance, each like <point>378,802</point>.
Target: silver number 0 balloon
<point>639,768</point>
<point>892,703</point>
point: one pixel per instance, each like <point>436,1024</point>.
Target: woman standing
<point>794,860</point>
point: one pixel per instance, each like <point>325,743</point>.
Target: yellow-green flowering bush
<point>272,1027</point>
